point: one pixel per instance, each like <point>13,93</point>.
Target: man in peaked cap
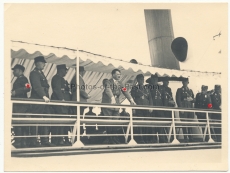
<point>61,91</point>
<point>185,99</point>
<point>40,90</point>
<point>156,93</point>
<point>203,101</point>
<point>216,104</point>
<point>20,89</point>
<point>168,101</point>
<point>141,96</point>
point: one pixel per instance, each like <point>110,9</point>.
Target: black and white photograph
<point>115,86</point>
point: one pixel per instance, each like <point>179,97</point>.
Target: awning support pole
<point>78,143</point>
<point>132,141</point>
<point>175,141</point>
<point>209,131</point>
<point>170,133</point>
<point>205,131</point>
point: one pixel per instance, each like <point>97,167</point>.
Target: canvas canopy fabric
<point>97,67</point>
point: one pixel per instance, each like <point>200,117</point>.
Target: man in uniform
<point>216,104</point>
<point>111,93</point>
<point>20,89</point>
<point>203,100</point>
<point>168,101</point>
<point>61,91</point>
<point>156,93</point>
<point>185,99</point>
<point>141,96</point>
<point>40,88</point>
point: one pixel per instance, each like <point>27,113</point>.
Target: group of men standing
<point>151,94</point>
<point>40,87</point>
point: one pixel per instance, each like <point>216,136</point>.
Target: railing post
<point>78,143</point>
<point>175,141</point>
<point>132,141</point>
<point>12,147</point>
<point>209,131</point>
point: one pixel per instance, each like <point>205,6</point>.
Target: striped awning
<point>97,67</point>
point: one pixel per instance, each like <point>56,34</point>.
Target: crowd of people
<point>140,94</point>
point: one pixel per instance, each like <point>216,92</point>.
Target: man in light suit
<point>83,95</point>
<point>112,91</point>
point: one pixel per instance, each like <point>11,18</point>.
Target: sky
<point>119,30</point>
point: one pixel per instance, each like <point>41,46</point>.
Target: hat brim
<point>18,68</point>
<point>63,68</point>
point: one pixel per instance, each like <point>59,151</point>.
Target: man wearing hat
<point>216,104</point>
<point>20,88</point>
<point>156,93</point>
<point>61,91</point>
<point>168,101</point>
<point>203,101</point>
<point>40,88</point>
<point>185,99</point>
<point>141,96</point>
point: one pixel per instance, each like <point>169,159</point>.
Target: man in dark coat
<point>168,101</point>
<point>203,101</point>
<point>141,96</point>
<point>156,93</point>
<point>61,91</point>
<point>185,99</point>
<point>216,104</point>
<point>111,94</point>
<point>40,90</point>
<point>20,88</point>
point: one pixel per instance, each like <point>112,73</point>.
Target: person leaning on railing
<point>185,99</point>
<point>216,101</point>
<point>40,90</point>
<point>203,100</point>
<point>111,93</point>
<point>19,90</point>
<point>141,96</point>
<point>61,91</point>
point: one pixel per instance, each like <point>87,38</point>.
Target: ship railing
<point>79,123</point>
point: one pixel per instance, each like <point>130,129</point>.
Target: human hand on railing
<point>171,102</point>
<point>189,99</point>
<point>132,102</point>
<point>47,100</point>
<point>13,93</point>
<point>134,111</point>
<point>113,101</point>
